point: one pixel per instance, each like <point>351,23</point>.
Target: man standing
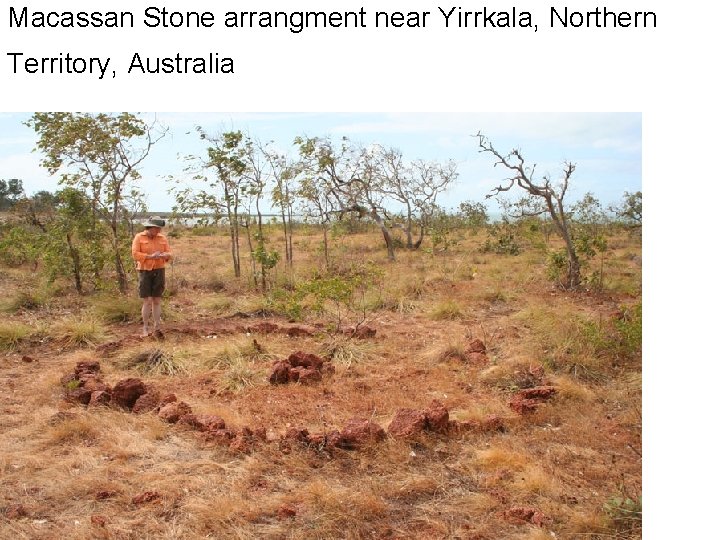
<point>151,250</point>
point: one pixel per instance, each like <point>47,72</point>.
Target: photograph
<point>321,325</point>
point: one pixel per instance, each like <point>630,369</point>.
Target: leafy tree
<point>284,193</point>
<point>544,196</point>
<point>474,213</point>
<point>10,192</point>
<point>70,249</point>
<point>630,211</point>
<point>227,187</point>
<point>100,155</point>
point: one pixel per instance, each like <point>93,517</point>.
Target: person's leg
<point>147,310</point>
<point>156,311</point>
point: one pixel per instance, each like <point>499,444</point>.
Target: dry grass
<point>568,459</point>
<point>12,334</point>
<point>78,331</point>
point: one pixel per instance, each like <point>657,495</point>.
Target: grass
<point>118,309</point>
<point>155,362</point>
<point>12,334</point>
<point>567,459</point>
<point>25,300</point>
<point>78,331</point>
<point>447,310</point>
<point>345,351</point>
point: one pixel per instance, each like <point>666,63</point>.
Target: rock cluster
<point>301,367</point>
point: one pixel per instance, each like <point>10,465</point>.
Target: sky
<point>606,147</point>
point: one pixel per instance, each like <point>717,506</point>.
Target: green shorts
<point>151,283</point>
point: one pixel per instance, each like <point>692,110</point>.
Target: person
<point>151,251</point>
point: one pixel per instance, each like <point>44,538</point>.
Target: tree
<point>100,155</point>
<point>631,209</point>
<point>545,196</point>
<point>10,192</point>
<point>70,249</point>
<point>415,186</point>
<point>349,175</point>
<point>284,191</point>
<point>227,159</point>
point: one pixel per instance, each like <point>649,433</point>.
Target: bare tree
<point>549,194</point>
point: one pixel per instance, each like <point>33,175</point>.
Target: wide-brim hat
<point>155,221</point>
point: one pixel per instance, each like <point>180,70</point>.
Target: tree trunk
<point>422,236</point>
<point>250,247</point>
<point>385,233</point>
<point>408,231</point>
<point>75,256</point>
<point>325,246</point>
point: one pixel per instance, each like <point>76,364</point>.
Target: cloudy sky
<point>605,146</point>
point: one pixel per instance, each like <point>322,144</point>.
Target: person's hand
<point>155,255</point>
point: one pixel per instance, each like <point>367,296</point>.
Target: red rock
<point>27,359</point>
<point>98,520</point>
<point>306,360</point>
<point>436,416</point>
<point>87,367</point>
<point>280,373</point>
<point>146,403</point>
<point>172,412</point>
<point>300,331</point>
<point>146,497</point>
<point>286,511</point>
<point>296,434</point>
<point>525,514</point>
<point>104,494</point>
<point>407,423</point>
<point>239,445</point>
<point>524,406</point>
<point>305,376</point>
<point>93,383</point>
<point>99,399</point>
<point>358,432</point>
<point>202,422</point>
<point>16,511</point>
<point>79,395</point>
<point>221,436</point>
<point>476,346</point>
<point>126,392</point>
<point>539,392</point>
<point>167,398</point>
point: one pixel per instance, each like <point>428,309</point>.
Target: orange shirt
<point>143,246</point>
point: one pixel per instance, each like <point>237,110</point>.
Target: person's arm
<point>136,253</point>
<point>167,254</point>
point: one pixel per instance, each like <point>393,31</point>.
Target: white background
<point>668,73</point>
